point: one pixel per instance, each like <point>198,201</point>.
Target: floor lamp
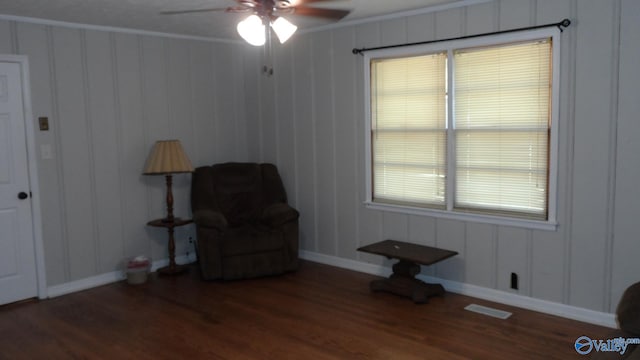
<point>167,158</point>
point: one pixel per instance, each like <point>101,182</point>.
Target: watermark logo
<point>584,345</point>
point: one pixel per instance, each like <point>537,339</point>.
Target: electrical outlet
<point>514,281</point>
<point>191,248</point>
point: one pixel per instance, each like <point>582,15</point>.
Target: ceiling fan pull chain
<point>267,54</point>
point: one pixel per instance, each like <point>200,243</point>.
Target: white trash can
<point>138,269</point>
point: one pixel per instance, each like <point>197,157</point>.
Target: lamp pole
<point>169,180</point>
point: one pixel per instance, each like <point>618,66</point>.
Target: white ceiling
<point>144,14</point>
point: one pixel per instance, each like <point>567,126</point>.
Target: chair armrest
<point>278,214</point>
<point>210,218</point>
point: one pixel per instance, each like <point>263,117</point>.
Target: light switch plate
<point>46,152</point>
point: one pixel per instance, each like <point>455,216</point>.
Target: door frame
<point>32,164</point>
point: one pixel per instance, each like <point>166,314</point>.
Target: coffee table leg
<point>403,282</point>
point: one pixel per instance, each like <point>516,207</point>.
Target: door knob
<point>22,195</point>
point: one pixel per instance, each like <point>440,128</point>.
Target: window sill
<point>485,219</point>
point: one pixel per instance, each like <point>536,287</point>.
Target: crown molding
<point>81,26</point>
<point>401,14</point>
<point>395,15</point>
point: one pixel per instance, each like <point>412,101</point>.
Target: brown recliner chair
<point>245,227</point>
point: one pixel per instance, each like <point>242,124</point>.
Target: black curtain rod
<point>561,25</point>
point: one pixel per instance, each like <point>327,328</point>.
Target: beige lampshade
<point>167,157</point>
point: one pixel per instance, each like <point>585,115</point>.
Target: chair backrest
<point>239,190</point>
<point>628,310</point>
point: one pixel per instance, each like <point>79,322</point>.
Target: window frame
<point>450,46</point>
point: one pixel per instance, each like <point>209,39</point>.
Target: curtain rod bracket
<point>564,24</point>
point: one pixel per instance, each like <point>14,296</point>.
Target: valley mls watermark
<point>584,345</point>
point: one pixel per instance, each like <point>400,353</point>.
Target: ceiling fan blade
<point>174,12</point>
<point>336,14</point>
<point>302,2</point>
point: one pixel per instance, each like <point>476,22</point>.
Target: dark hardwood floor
<point>320,312</point>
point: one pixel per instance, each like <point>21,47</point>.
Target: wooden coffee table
<point>403,282</point>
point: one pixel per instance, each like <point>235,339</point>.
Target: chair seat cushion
<point>279,213</point>
<point>250,239</point>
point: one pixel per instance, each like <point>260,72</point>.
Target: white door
<point>17,251</point>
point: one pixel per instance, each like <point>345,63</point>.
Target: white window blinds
<point>502,125</point>
<point>466,129</point>
<point>408,130</point>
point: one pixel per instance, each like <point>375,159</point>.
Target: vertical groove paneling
<point>613,144</point>
<point>345,154</point>
<point>324,143</point>
<point>118,242</point>
<point>108,97</point>
<point>6,37</point>
<point>203,103</point>
<point>334,155</point>
<point>512,257</point>
<point>451,235</point>
<point>591,153</point>
<point>60,156</point>
<point>481,268</point>
<point>252,94</point>
<point>625,264</point>
<point>103,134</point>
<point>133,119</point>
<point>305,165</point>
<point>15,45</point>
<point>283,65</point>
<point>577,264</point>
<point>367,35</point>
<point>76,160</point>
<point>156,103</point>
<point>225,119</point>
<point>313,52</point>
<point>268,120</point>
<point>529,265</point>
<point>570,168</point>
<point>34,43</point>
<point>86,88</point>
<point>277,106</point>
<point>239,105</point>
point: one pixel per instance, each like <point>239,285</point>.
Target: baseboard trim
<point>106,278</point>
<point>525,302</point>
<point>529,303</point>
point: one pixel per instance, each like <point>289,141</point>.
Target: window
<point>465,128</point>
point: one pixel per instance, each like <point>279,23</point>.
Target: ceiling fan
<point>265,13</point>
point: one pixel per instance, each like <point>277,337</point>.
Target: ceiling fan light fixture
<point>283,29</point>
<point>252,30</point>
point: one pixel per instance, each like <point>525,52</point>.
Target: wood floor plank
<point>320,312</point>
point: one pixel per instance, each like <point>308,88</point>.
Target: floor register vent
<point>488,311</point>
